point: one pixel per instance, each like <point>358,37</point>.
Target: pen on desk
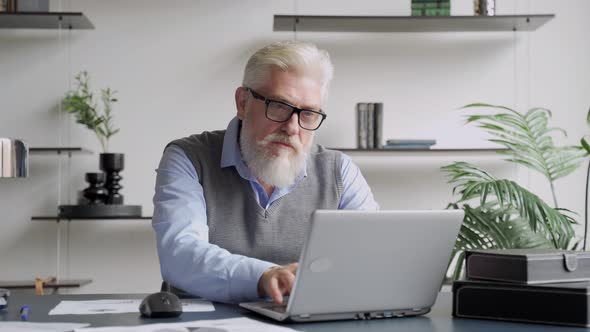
<point>24,312</point>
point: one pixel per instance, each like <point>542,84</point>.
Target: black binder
<point>528,266</point>
<point>560,303</point>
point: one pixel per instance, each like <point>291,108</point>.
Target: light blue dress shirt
<point>187,259</point>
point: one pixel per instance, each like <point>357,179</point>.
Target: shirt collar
<point>232,156</point>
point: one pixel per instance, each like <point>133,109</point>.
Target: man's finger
<point>275,293</point>
<point>288,281</point>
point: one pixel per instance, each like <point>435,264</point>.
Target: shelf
<point>101,218</point>
<point>60,150</point>
<point>311,23</point>
<point>45,20</point>
<point>61,283</point>
<point>427,151</point>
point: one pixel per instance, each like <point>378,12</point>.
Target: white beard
<point>277,171</point>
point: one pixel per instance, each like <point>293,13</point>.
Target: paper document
<point>119,306</point>
<point>40,327</point>
<point>220,325</point>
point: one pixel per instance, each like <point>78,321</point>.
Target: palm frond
<point>489,227</point>
<point>528,140</point>
<point>472,182</point>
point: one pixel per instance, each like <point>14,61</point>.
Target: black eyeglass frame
<point>294,110</point>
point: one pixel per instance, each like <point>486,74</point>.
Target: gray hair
<point>289,55</point>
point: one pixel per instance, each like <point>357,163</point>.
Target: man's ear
<point>241,99</point>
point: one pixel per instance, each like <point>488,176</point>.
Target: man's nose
<point>291,127</point>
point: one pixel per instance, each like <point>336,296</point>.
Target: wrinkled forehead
<point>296,88</point>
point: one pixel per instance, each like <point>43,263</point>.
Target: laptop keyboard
<point>280,308</point>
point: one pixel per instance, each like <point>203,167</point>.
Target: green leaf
<point>585,144</point>
<point>528,138</point>
<point>82,105</point>
<point>511,198</point>
<point>493,228</point>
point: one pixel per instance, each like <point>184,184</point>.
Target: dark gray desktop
<point>439,319</point>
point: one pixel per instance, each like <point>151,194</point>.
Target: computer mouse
<point>161,305</point>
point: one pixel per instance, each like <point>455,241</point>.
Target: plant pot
<point>112,164</point>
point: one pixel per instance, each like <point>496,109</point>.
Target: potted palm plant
<point>82,104</point>
<point>500,213</point>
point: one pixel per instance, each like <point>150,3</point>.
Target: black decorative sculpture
<point>112,164</point>
<point>113,207</point>
<point>95,193</point>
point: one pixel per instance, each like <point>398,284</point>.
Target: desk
<point>439,319</point>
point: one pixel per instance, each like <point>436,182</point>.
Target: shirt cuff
<point>244,279</point>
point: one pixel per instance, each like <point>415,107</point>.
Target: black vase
<point>112,164</point>
<point>95,193</point>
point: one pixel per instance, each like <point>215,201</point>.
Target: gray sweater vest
<point>239,224</point>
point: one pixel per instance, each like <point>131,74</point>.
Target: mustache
<point>281,138</point>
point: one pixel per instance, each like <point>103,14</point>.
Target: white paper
<point>118,306</point>
<point>220,325</point>
<point>40,327</point>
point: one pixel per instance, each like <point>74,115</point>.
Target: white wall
<point>176,65</point>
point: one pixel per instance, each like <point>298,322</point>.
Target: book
<point>431,8</point>
<point>361,125</point>
<point>7,5</point>
<point>378,126</point>
<point>370,125</point>
<point>406,147</point>
<point>421,142</point>
<point>6,158</point>
<point>32,5</point>
<point>1,159</point>
<point>528,266</point>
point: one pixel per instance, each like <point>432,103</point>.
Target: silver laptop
<point>368,264</point>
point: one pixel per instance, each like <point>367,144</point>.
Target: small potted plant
<point>81,103</point>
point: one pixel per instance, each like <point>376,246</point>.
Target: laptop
<point>368,264</point>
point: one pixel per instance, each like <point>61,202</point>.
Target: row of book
<point>12,158</point>
<point>431,8</point>
<point>369,124</point>
<point>24,5</point>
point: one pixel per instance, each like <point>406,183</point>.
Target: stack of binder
<point>525,285</point>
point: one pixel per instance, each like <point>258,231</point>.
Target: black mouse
<point>160,305</point>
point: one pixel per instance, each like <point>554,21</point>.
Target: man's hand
<point>277,281</point>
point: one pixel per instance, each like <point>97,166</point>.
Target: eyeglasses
<point>279,111</point>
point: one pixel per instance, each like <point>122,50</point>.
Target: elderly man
<point>232,207</point>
